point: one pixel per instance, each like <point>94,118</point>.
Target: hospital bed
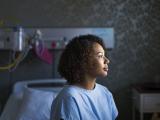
<point>31,100</point>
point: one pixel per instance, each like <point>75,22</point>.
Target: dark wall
<point>134,59</point>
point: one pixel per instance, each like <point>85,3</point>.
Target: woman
<point>82,61</point>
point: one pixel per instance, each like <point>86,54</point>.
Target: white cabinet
<point>0,108</point>
<point>145,102</point>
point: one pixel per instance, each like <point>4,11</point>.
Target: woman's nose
<point>106,60</point>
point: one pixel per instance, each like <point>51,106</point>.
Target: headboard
<point>45,84</point>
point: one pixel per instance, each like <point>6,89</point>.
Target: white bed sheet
<point>11,109</point>
<point>30,103</point>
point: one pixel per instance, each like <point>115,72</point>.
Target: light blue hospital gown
<point>75,103</point>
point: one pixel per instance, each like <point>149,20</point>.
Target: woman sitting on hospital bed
<point>82,61</point>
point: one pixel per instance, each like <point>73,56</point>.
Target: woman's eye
<point>100,56</point>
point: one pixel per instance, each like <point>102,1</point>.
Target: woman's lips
<point>105,69</point>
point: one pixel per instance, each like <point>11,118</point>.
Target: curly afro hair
<point>73,60</point>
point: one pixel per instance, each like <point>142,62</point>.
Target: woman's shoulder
<point>103,89</point>
<point>69,91</point>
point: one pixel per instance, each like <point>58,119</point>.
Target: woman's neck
<point>88,83</point>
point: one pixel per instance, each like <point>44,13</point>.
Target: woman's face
<point>97,63</point>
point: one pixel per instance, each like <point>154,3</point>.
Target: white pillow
<point>36,104</point>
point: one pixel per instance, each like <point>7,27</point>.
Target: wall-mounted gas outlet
<point>12,39</point>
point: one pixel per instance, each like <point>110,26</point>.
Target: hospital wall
<point>135,57</point>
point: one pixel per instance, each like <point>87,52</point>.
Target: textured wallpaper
<point>136,55</point>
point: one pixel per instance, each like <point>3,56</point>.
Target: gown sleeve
<point>66,110</point>
<point>114,108</point>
